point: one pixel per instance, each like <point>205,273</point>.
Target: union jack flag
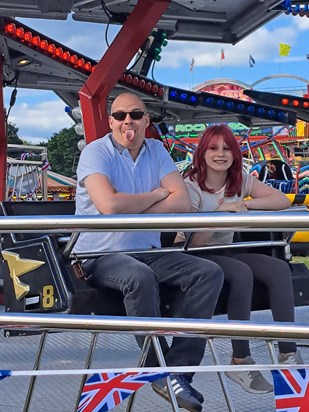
<point>291,390</point>
<point>104,391</point>
<point>4,373</point>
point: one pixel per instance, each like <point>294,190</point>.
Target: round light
<point>51,48</point>
<point>88,66</point>
<point>59,52</point>
<point>161,91</point>
<point>81,144</point>
<point>28,37</point>
<point>282,116</point>
<point>79,129</point>
<point>194,99</point>
<point>295,103</point>
<point>306,105</point>
<point>23,62</point>
<point>173,94</point>
<point>142,83</point>
<point>183,96</point>
<point>251,109</point>
<point>148,87</point>
<point>285,101</point>
<point>220,103</point>
<point>230,105</point>
<point>261,111</point>
<point>76,113</point>
<point>240,107</point>
<point>44,44</point>
<point>271,114</point>
<point>73,59</point>
<point>66,56</point>
<point>81,63</point>
<point>135,81</point>
<point>209,101</point>
<point>129,78</point>
<point>20,32</point>
<point>36,40</point>
<point>155,89</point>
<point>11,28</point>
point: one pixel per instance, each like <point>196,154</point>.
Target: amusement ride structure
<point>30,59</point>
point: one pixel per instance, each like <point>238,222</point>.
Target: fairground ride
<point>33,60</point>
<point>80,80</point>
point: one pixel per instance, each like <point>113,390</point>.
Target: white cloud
<point>39,121</point>
<point>301,23</point>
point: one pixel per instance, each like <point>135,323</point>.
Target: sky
<point>40,114</point>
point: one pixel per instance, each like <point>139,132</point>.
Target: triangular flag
<point>192,64</point>
<point>284,49</point>
<point>251,61</point>
<point>4,373</point>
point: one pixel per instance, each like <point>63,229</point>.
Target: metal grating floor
<point>69,350</point>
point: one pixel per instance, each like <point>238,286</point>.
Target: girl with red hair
<point>216,182</point>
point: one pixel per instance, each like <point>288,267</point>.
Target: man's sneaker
<point>194,391</point>
<point>250,381</point>
<point>182,390</point>
<point>291,358</point>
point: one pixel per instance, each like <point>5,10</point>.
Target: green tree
<point>12,134</point>
<point>63,152</point>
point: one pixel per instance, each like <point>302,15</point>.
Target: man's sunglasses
<point>135,115</point>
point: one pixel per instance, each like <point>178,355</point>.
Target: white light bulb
<point>79,129</point>
<point>76,113</point>
<point>81,144</point>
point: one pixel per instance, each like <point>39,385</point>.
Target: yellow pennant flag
<point>284,49</point>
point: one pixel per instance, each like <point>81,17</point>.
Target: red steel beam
<point>93,95</point>
<point>3,139</point>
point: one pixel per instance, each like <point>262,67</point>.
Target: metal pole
<point>219,221</point>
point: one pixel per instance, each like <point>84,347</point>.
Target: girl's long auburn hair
<point>199,167</point>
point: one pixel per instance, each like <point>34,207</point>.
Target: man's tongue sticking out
<point>129,135</point>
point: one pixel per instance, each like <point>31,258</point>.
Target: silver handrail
<point>219,221</point>
<point>157,326</point>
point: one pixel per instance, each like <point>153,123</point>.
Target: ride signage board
<point>235,90</point>
<point>194,129</point>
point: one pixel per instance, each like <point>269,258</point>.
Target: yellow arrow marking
<point>19,267</point>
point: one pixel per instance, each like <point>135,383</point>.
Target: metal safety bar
<point>152,328</point>
<point>181,248</point>
<point>194,327</point>
<point>188,222</point>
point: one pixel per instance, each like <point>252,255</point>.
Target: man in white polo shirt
<point>125,173</point>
